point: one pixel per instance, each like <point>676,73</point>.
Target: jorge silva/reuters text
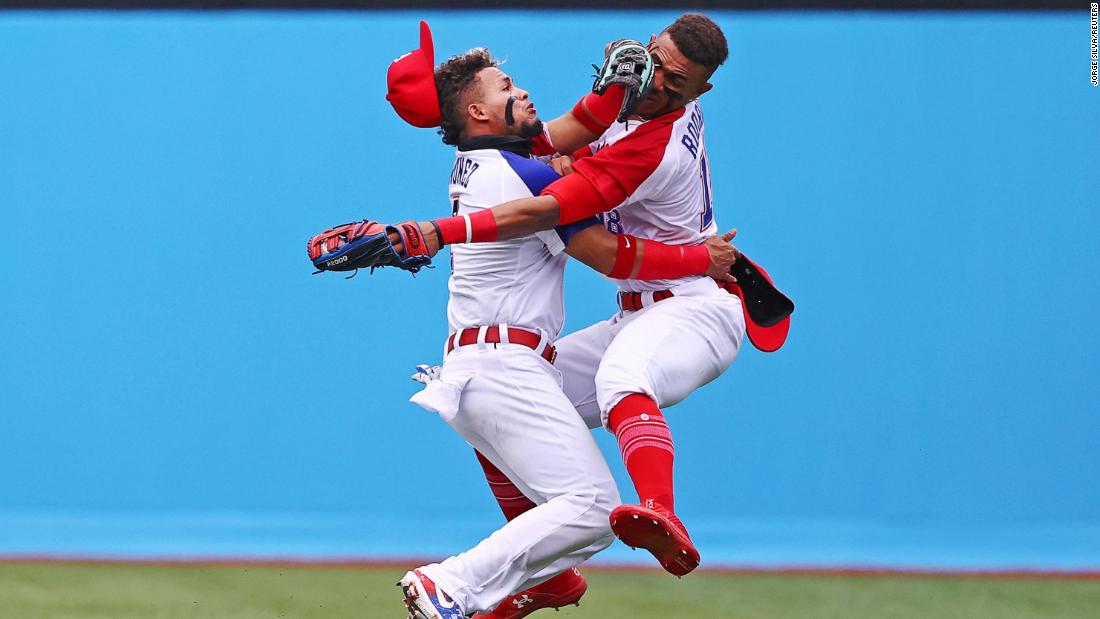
<point>1093,8</point>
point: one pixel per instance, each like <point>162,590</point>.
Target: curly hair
<point>453,80</point>
<point>699,39</point>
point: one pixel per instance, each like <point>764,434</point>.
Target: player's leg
<point>577,360</point>
<point>514,413</point>
<point>579,356</point>
<point>550,587</point>
<point>511,499</point>
<point>560,589</point>
<point>662,354</point>
<point>570,559</point>
<point>671,348</point>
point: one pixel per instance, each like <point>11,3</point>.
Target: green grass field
<point>127,591</point>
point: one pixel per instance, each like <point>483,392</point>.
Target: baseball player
<point>650,177</point>
<point>498,387</point>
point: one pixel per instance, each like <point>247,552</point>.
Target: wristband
<point>597,112</point>
<point>661,261</point>
<point>624,257</point>
<point>480,227</point>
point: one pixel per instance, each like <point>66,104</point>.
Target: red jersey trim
<point>616,171</point>
<point>577,198</point>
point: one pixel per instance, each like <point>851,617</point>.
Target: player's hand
<point>562,165</point>
<point>629,64</point>
<point>722,256</point>
<point>431,239</point>
<point>617,42</point>
<point>369,244</point>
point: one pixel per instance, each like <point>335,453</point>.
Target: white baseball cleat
<point>424,600</point>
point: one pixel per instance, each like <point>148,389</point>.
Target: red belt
<point>523,337</point>
<point>632,301</point>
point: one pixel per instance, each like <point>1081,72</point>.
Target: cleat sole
<point>561,598</point>
<point>672,549</point>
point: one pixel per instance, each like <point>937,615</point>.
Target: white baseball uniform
<point>506,399</point>
<point>672,347</point>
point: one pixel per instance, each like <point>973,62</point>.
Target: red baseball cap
<point>411,82</point>
<point>765,338</point>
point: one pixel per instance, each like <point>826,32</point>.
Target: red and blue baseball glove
<point>368,244</point>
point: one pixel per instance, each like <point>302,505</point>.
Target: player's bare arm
<point>588,119</point>
<point>599,183</point>
<point>602,181</point>
<point>506,221</point>
<point>567,133</point>
<point>621,85</point>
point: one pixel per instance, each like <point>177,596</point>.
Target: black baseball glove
<point>626,62</point>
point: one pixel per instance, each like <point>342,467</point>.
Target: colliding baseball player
<point>677,331</point>
<point>498,387</point>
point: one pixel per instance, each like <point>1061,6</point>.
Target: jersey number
<point>708,203</point>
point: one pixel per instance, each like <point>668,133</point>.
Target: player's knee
<point>594,504</point>
<point>607,499</point>
<point>595,500</point>
<point>602,542</point>
<point>614,382</point>
<point>600,535</point>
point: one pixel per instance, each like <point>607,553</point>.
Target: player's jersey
<point>669,191</point>
<point>516,282</point>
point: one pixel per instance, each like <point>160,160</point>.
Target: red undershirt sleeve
<point>603,181</point>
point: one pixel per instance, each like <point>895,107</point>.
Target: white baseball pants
<point>507,402</point>
<point>665,350</point>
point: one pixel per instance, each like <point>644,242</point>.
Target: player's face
<point>676,80</point>
<point>497,93</point>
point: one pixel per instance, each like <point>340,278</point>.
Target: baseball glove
<point>626,62</point>
<point>363,244</point>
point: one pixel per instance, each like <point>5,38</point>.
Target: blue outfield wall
<point>173,382</point>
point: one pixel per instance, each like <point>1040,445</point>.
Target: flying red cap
<point>766,339</point>
<point>411,82</point>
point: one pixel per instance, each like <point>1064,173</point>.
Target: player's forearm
<point>500,223</point>
<point>588,119</point>
<point>622,256</point>
<point>568,134</point>
<point>566,200</point>
<point>527,216</point>
<point>594,247</point>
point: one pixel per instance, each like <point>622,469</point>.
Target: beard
<point>530,129</point>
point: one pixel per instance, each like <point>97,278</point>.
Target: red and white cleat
<point>562,590</point>
<point>424,600</point>
<point>660,532</point>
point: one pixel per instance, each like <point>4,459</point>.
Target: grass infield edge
<point>843,571</point>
